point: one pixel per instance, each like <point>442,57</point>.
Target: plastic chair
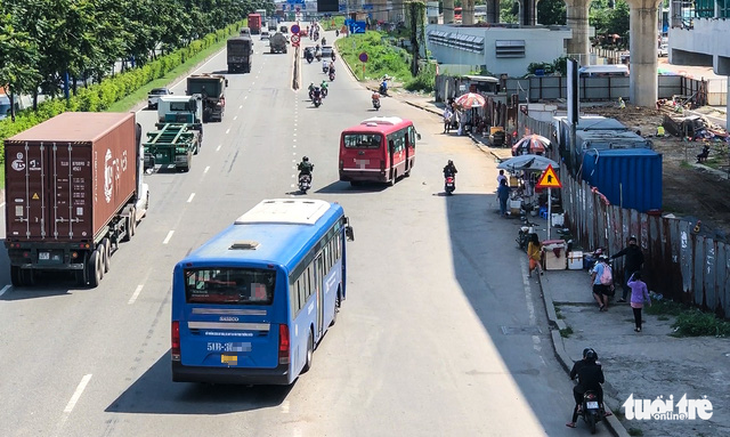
<point>543,212</point>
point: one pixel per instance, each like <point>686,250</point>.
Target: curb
<point>612,423</point>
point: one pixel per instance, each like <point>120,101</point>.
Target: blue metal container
<point>630,178</point>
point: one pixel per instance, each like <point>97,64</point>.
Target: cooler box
<point>514,207</point>
<point>554,254</point>
<point>575,260</point>
<point>558,219</point>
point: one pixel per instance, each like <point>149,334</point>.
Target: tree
<point>19,55</point>
<point>508,10</point>
<point>551,12</point>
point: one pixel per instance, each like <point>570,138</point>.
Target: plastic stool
<point>543,212</point>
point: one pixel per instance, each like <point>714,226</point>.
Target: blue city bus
<point>251,304</point>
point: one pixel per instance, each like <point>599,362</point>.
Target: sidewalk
<point>648,364</point>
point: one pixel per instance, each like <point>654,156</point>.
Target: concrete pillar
<point>467,15</point>
<point>528,13</point>
<point>577,20</point>
<point>644,84</point>
<point>448,11</point>
<point>492,11</point>
<point>727,108</point>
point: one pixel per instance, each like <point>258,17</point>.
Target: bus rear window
<point>363,141</point>
<point>230,286</point>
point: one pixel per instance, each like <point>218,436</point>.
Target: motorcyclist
<point>316,94</point>
<point>323,87</point>
<point>450,169</point>
<point>305,167</point>
<point>376,99</point>
<point>324,41</point>
<point>325,66</point>
<point>337,32</point>
<point>333,56</point>
<point>384,86</point>
<point>590,377</point>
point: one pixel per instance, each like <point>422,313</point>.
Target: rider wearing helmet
<point>450,169</point>
<point>305,167</point>
<point>590,377</point>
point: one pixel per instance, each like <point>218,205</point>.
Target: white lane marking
<point>295,134</point>
<point>218,148</point>
<point>228,131</point>
<point>5,288</point>
<point>136,293</point>
<point>253,83</point>
<point>190,199</point>
<point>206,169</point>
<point>528,294</point>
<point>235,117</point>
<point>294,139</point>
<point>240,107</point>
<point>167,239</point>
<point>77,394</point>
<point>245,98</point>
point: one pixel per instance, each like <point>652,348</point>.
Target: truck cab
<point>181,109</point>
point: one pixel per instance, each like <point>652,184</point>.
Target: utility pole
<point>414,36</point>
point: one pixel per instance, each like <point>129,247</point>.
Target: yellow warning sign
<point>35,196</point>
<point>549,179</point>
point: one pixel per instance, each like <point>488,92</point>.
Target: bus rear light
<point>175,350</point>
<point>74,255</point>
<point>26,255</point>
<point>284,344</point>
<point>382,165</point>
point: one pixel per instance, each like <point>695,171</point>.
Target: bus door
<point>410,147</point>
<point>391,157</point>
<point>319,286</point>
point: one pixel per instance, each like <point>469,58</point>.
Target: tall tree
<point>19,54</point>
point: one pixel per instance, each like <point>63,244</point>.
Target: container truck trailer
<point>74,191</point>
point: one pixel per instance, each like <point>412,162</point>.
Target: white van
<point>614,70</point>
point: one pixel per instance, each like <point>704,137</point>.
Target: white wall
<point>541,45</point>
<point>709,36</point>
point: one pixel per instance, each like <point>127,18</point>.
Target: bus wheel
<point>310,353</point>
<point>395,176</point>
<point>336,309</point>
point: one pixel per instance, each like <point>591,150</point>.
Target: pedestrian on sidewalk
<point>501,177</point>
<point>632,263</point>
<point>639,295</point>
<point>599,275</point>
<point>503,196</point>
<point>534,254</point>
<point>448,116</point>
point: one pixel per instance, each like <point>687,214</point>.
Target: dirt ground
<point>688,190</point>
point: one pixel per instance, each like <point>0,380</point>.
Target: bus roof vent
<point>382,120</point>
<point>285,211</point>
<point>245,245</point>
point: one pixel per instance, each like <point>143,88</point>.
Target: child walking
<point>639,294</point>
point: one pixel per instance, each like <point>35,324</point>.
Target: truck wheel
<point>27,276</point>
<point>94,267</point>
<point>80,276</point>
<point>132,222</point>
<point>107,249</point>
<point>16,277</point>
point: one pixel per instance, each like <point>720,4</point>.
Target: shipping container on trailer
<point>630,178</point>
<point>73,187</point>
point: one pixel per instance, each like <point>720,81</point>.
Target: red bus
<point>457,14</point>
<point>380,149</point>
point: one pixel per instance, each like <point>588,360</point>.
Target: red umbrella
<point>471,100</point>
<point>532,144</point>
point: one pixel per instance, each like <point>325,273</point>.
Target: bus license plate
<point>45,256</point>
<point>592,405</point>
<point>231,360</point>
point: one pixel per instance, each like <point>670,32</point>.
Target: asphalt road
<point>442,333</point>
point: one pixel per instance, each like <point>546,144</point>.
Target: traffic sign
<point>549,179</point>
<point>295,39</point>
<point>295,28</point>
<point>363,57</point>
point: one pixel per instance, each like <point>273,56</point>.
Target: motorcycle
<point>317,100</point>
<point>591,410</point>
<point>524,233</point>
<point>376,104</point>
<point>337,33</point>
<point>324,92</point>
<point>383,90</point>
<point>318,56</point>
<point>309,58</point>
<point>449,183</point>
<point>332,76</point>
<point>305,183</point>
<point>325,68</point>
<point>311,93</point>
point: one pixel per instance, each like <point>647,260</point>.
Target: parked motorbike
<point>376,104</point>
<point>591,410</point>
<point>449,183</point>
<point>332,76</point>
<point>524,233</point>
<point>305,183</point>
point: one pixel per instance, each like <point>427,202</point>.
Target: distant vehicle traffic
<point>239,51</point>
<point>663,50</point>
<point>380,149</point>
<point>154,96</point>
<point>265,35</point>
<point>254,23</point>
<point>252,303</point>
<point>613,70</point>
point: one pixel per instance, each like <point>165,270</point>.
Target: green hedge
<point>98,97</point>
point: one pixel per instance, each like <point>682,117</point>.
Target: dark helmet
<point>305,159</point>
<point>589,355</point>
<point>451,162</point>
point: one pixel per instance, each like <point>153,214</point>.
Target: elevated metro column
<point>448,11</point>
<point>492,11</point>
<point>643,48</point>
<point>577,20</point>
<point>528,13</point>
<point>467,16</point>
